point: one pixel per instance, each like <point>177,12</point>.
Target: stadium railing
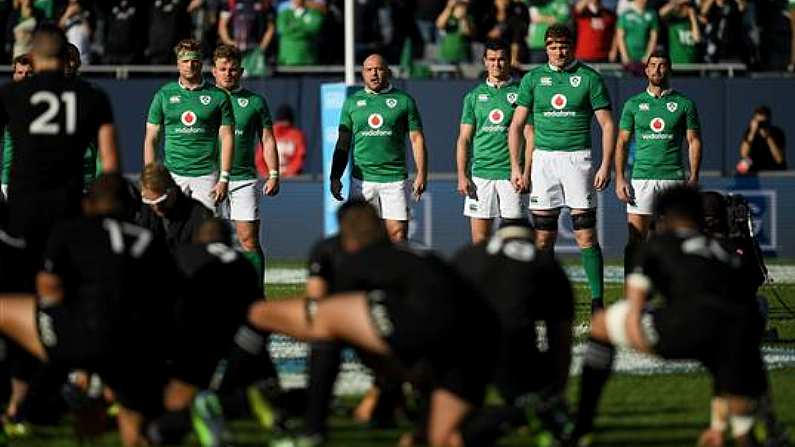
<point>466,71</point>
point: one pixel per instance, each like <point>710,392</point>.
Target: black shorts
<point>460,348</point>
<point>67,338</point>
<point>725,341</point>
<point>205,334</point>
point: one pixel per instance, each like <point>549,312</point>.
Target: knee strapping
<point>584,221</point>
<point>545,222</point>
<point>310,310</point>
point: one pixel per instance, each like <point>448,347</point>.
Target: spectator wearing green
<point>637,32</point>
<point>684,31</point>
<point>193,115</point>
<point>298,28</point>
<point>541,17</point>
<point>23,69</point>
<point>455,27</point>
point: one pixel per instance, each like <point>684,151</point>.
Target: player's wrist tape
<point>639,281</point>
<point>274,173</point>
<point>224,177</point>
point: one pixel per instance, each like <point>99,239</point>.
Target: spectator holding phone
<point>763,146</point>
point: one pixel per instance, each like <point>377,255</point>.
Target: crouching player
<point>703,317</point>
<point>420,310</point>
<point>527,289</point>
<point>92,310</point>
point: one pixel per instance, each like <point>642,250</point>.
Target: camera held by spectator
<point>763,146</point>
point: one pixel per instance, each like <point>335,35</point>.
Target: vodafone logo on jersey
<point>188,118</point>
<point>657,125</point>
<point>559,101</point>
<point>375,121</point>
<point>496,116</point>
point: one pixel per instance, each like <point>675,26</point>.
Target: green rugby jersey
<point>489,109</point>
<point>637,28</point>
<point>562,103</point>
<point>380,122</point>
<point>660,125</point>
<point>191,119</point>
<point>251,116</point>
<point>8,155</point>
<point>681,42</point>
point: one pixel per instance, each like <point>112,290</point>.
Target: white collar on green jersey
<point>179,81</point>
<point>503,84</point>
<point>566,68</point>
<point>662,93</point>
<point>383,90</point>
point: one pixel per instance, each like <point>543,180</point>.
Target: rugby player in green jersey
<point>253,125</point>
<point>194,115</point>
<point>375,121</point>
<point>660,118</point>
<point>563,97</point>
<point>482,159</point>
<point>23,69</point>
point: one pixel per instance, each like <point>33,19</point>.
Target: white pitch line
<point>356,379</point>
<point>780,274</point>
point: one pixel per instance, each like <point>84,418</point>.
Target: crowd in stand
<point>281,33</point>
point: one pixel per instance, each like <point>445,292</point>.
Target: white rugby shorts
<point>643,192</point>
<point>391,199</point>
<point>494,198</point>
<point>242,201</point>
<point>198,188</point>
<point>562,178</point>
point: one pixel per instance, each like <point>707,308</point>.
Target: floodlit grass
<point>659,410</point>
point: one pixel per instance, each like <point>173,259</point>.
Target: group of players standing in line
<point>90,306</point>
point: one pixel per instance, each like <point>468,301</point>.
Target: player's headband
<point>155,201</point>
<point>188,55</point>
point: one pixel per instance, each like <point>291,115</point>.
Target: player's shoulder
<point>635,99</point>
<point>168,87</point>
<point>584,69</point>
<point>536,72</point>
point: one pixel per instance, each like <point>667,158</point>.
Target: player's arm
<point>621,43</point>
<point>154,122</point>
<point>49,287</point>
<point>637,288</point>
<point>605,119</point>
<point>340,161</point>
<point>420,153</point>
<point>463,143</point>
<point>515,137</point>
<point>108,148</point>
<point>529,148</point>
<point>694,155</point>
<point>623,191</point>
<point>226,135</point>
<point>271,157</point>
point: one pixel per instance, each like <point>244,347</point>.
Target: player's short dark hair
<point>213,230</point>
<point>660,54</point>
<point>49,41</point>
<point>360,221</point>
<point>715,213</point>
<point>680,202</point>
<point>229,52</point>
<point>497,45</point>
<point>285,113</point>
<point>111,192</point>
<point>187,45</point>
<point>155,177</point>
<point>763,110</point>
<point>559,32</point>
<point>22,59</point>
